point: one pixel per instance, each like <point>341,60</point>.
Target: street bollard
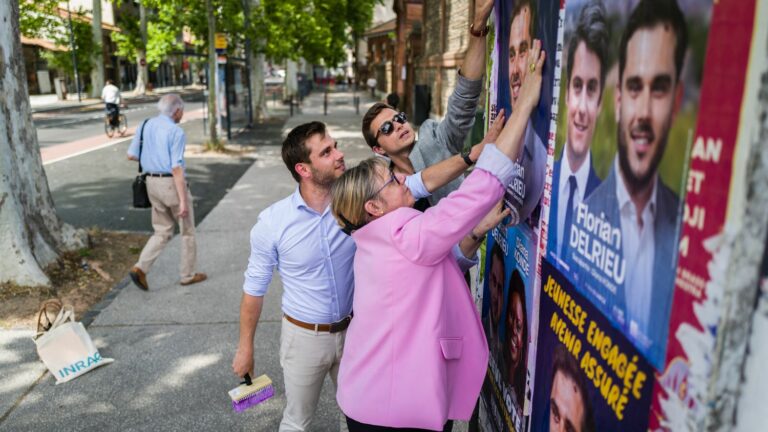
<point>356,101</point>
<point>325,102</point>
<point>274,99</point>
<point>291,103</point>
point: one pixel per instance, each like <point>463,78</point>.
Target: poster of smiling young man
<point>630,90</point>
<point>518,23</point>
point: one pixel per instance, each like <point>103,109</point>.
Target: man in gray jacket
<point>388,133</point>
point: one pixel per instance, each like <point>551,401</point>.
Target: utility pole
<point>72,49</point>
<point>213,75</point>
<point>248,59</point>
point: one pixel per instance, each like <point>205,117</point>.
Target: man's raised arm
<point>442,173</point>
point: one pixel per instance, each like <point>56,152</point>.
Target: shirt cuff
<point>496,163</point>
<point>415,184</point>
<point>254,289</point>
<point>464,262</point>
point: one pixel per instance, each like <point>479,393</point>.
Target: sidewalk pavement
<point>173,346</point>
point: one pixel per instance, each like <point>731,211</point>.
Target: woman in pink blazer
<point>415,353</point>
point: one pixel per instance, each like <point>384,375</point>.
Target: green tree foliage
<point>360,15</point>
<point>38,18</point>
<point>84,46</point>
<point>128,39</point>
<point>163,31</point>
<point>161,41</point>
<point>317,30</point>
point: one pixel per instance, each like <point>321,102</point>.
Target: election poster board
<point>590,377</point>
<point>644,102</point>
<point>510,288</point>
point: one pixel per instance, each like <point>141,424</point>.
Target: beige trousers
<point>165,208</point>
<point>307,357</point>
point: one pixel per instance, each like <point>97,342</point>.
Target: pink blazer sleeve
<point>426,238</point>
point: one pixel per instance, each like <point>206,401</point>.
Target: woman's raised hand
<point>531,88</point>
<point>510,138</point>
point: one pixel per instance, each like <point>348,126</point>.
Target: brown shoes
<point>139,278</point>
<point>198,277</point>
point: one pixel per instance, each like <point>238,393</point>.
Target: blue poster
<point>518,24</point>
<point>507,315</point>
<point>589,377</point>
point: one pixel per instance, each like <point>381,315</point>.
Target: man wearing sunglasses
<point>388,132</point>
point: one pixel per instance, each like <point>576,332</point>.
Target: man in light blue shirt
<point>299,236</point>
<point>159,147</point>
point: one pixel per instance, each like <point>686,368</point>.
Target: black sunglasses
<point>388,127</point>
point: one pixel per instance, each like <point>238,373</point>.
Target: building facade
<point>445,39</point>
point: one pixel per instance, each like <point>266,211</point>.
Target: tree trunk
<point>31,234</point>
<point>291,85</point>
<point>213,141</point>
<point>258,101</point>
<point>141,54</point>
<point>97,72</point>
<point>257,83</point>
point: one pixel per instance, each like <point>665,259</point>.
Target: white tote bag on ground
<point>64,345</point>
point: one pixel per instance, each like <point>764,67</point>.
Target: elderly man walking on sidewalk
<point>162,159</point>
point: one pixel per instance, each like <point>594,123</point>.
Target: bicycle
<point>110,127</point>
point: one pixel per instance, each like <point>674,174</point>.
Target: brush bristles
<point>253,399</point>
<point>243,390</point>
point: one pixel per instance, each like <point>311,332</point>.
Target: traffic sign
<point>220,41</point>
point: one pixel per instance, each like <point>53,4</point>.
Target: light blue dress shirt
<point>163,148</point>
<point>313,257</point>
<point>311,254</point>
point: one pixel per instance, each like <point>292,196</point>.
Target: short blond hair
<point>352,190</point>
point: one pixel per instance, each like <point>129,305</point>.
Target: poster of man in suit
<point>573,175</point>
<point>519,23</point>
<point>627,120</point>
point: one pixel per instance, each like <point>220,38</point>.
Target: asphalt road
<point>94,189</point>
<point>66,125</point>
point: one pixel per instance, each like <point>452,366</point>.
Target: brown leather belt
<point>336,327</point>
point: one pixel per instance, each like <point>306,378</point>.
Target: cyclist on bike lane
<point>111,97</point>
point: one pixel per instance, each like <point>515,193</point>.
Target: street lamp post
<point>72,49</point>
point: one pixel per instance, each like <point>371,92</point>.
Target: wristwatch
<point>465,156</point>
